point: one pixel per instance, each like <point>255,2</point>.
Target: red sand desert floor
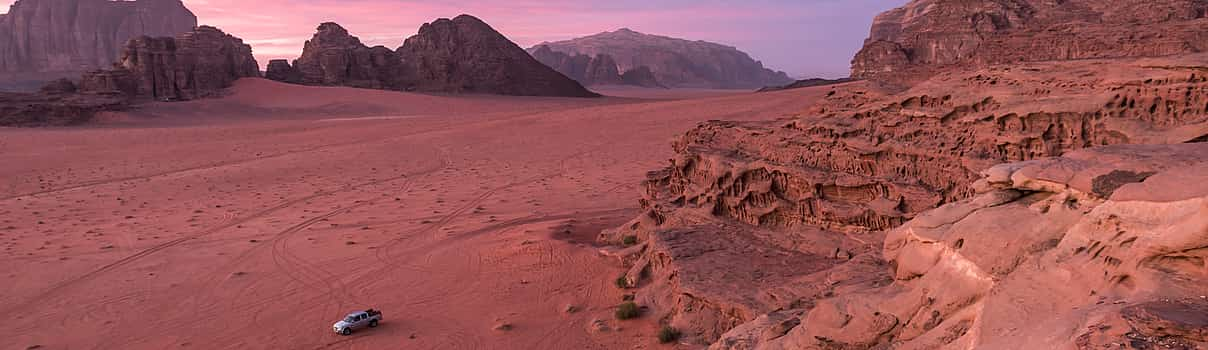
<point>259,219</point>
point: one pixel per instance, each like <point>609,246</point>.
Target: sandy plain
<point>256,220</point>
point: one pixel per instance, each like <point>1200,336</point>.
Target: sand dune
<point>244,222</point>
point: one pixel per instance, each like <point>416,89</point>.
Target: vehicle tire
<point>372,323</point>
<point>346,331</point>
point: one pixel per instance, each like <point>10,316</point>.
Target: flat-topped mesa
<point>908,44</point>
<point>673,62</point>
<point>81,35</point>
<point>464,54</point>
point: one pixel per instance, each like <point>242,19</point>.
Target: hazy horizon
<point>812,38</point>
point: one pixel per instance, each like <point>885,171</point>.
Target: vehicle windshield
<point>349,319</point>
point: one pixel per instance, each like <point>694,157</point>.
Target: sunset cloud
<point>802,37</point>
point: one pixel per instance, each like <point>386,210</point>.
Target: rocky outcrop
<point>641,76</point>
<point>1091,250</point>
<point>807,199</point>
<point>196,64</point>
<point>464,54</point>
<point>200,63</point>
<point>601,69</point>
<point>674,62</point>
<point>281,70</point>
<point>908,44</point>
<point>334,57</point>
<point>81,35</point>
<point>461,55</point>
<point>804,83</point>
<point>56,104</point>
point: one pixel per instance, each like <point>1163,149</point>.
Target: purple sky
<point>805,38</point>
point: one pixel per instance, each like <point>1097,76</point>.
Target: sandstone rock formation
<point>81,35</point>
<point>910,43</point>
<point>334,57</point>
<point>57,104</point>
<point>195,64</point>
<point>601,69</point>
<point>641,76</point>
<point>465,54</point>
<point>281,70</point>
<point>1092,250</point>
<point>807,200</point>
<point>461,55</point>
<point>675,62</point>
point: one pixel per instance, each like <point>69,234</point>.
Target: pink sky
<point>801,37</point>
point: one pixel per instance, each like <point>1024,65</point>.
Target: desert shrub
<point>628,310</point>
<point>668,334</point>
<point>622,282</point>
<point>629,240</point>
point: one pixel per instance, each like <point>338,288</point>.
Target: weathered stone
<point>81,35</point>
<point>908,44</point>
<point>334,57</point>
<point>281,70</point>
<point>462,55</point>
<point>465,54</point>
<point>196,64</point>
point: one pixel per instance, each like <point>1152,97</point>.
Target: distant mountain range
<point>673,62</point>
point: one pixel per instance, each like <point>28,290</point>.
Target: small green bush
<point>628,310</point>
<point>668,334</point>
<point>629,240</point>
<point>622,282</point>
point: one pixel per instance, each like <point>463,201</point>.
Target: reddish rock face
<point>908,44</point>
<point>465,54</point>
<point>820,189</point>
<point>459,55</point>
<point>334,57</point>
<point>674,62</point>
<point>80,35</point>
<point>196,64</point>
<point>599,70</point>
<point>281,70</point>
<point>641,76</point>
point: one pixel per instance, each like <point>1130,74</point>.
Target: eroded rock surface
<point>57,104</point>
<point>674,62</point>
<point>600,69</point>
<point>464,54</point>
<point>195,64</point>
<point>459,55</point>
<point>805,199</point>
<point>913,42</point>
<point>1039,260</point>
<point>200,63</point>
<point>334,57</point>
<point>81,35</point>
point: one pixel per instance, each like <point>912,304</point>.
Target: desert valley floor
<point>264,216</point>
